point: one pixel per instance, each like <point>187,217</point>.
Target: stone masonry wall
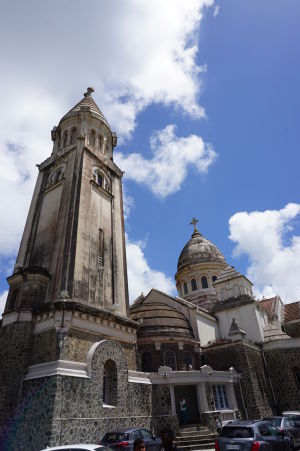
<point>59,410</point>
<point>15,347</point>
<point>255,385</point>
<point>281,364</point>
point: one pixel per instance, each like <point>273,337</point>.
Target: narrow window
<point>214,278</point>
<point>92,140</point>
<point>65,135</point>
<point>110,391</point>
<point>185,288</point>
<point>100,247</point>
<point>188,360</point>
<point>170,360</point>
<point>204,282</point>
<point>194,285</point>
<point>147,364</point>
<point>100,141</point>
<point>73,136</point>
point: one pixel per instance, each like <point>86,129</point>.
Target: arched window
<point>204,282</point>
<point>13,299</point>
<point>194,285</point>
<point>147,364</point>
<point>65,136</point>
<point>92,140</point>
<point>214,278</point>
<point>73,136</point>
<point>110,389</point>
<point>188,358</point>
<point>185,288</point>
<point>170,359</point>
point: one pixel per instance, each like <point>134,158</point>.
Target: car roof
<point>291,412</point>
<point>89,447</point>
<point>245,423</point>
<point>125,431</point>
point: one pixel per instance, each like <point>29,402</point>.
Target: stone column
<point>173,403</point>
<point>202,398</point>
<point>231,396</point>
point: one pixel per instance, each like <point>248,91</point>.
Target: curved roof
<point>87,103</point>
<point>158,319</point>
<point>199,250</point>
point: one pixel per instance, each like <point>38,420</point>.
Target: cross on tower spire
<point>89,91</point>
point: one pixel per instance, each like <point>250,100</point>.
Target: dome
<point>159,319</point>
<point>199,250</point>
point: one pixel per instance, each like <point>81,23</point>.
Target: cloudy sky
<point>205,99</point>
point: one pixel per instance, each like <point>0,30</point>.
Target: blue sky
<point>205,95</point>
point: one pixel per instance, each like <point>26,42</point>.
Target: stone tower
<point>73,244</point>
<point>68,291</point>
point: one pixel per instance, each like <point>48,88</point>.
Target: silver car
<point>79,447</point>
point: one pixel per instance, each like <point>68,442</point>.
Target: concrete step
<point>194,429</point>
<point>194,442</point>
<point>197,433</point>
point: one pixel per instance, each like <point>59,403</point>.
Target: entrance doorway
<point>189,393</point>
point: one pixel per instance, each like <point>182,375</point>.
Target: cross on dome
<point>194,222</point>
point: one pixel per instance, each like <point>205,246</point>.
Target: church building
<point>78,361</point>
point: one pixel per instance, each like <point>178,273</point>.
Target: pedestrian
<point>218,424</point>
<point>167,437</point>
<point>183,410</point>
<point>139,445</point>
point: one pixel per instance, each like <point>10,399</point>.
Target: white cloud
<point>274,255</point>
<point>3,297</point>
<point>172,156</point>
<point>141,278</point>
<point>47,59</point>
<point>216,10</point>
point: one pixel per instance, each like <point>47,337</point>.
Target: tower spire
<point>194,222</point>
<point>89,91</point>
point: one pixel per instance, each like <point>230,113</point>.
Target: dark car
<point>289,426</point>
<point>259,435</point>
<point>125,439</point>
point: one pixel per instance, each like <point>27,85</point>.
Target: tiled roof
<point>268,305</point>
<point>292,311</point>
<point>89,102</point>
<point>228,273</point>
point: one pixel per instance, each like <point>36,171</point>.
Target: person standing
<point>183,410</point>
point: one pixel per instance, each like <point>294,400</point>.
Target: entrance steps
<point>195,437</point>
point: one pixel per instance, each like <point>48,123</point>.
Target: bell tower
<point>68,291</point>
<point>73,246</point>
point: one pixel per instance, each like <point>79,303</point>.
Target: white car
<point>294,415</point>
<point>80,447</point>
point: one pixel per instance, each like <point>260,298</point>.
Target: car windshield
<point>275,421</point>
<point>112,437</point>
<point>237,432</point>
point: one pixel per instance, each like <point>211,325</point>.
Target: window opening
<point>100,247</point>
<point>214,278</point>
<point>92,140</point>
<point>65,138</point>
<point>185,288</point>
<point>220,396</point>
<point>73,136</point>
<point>147,364</point>
<point>194,285</point>
<point>170,360</point>
<point>110,383</point>
<point>204,282</point>
<point>188,360</point>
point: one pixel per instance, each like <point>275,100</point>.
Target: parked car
<point>125,439</point>
<point>289,426</point>
<point>257,435</point>
<point>294,415</point>
<point>79,447</point>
